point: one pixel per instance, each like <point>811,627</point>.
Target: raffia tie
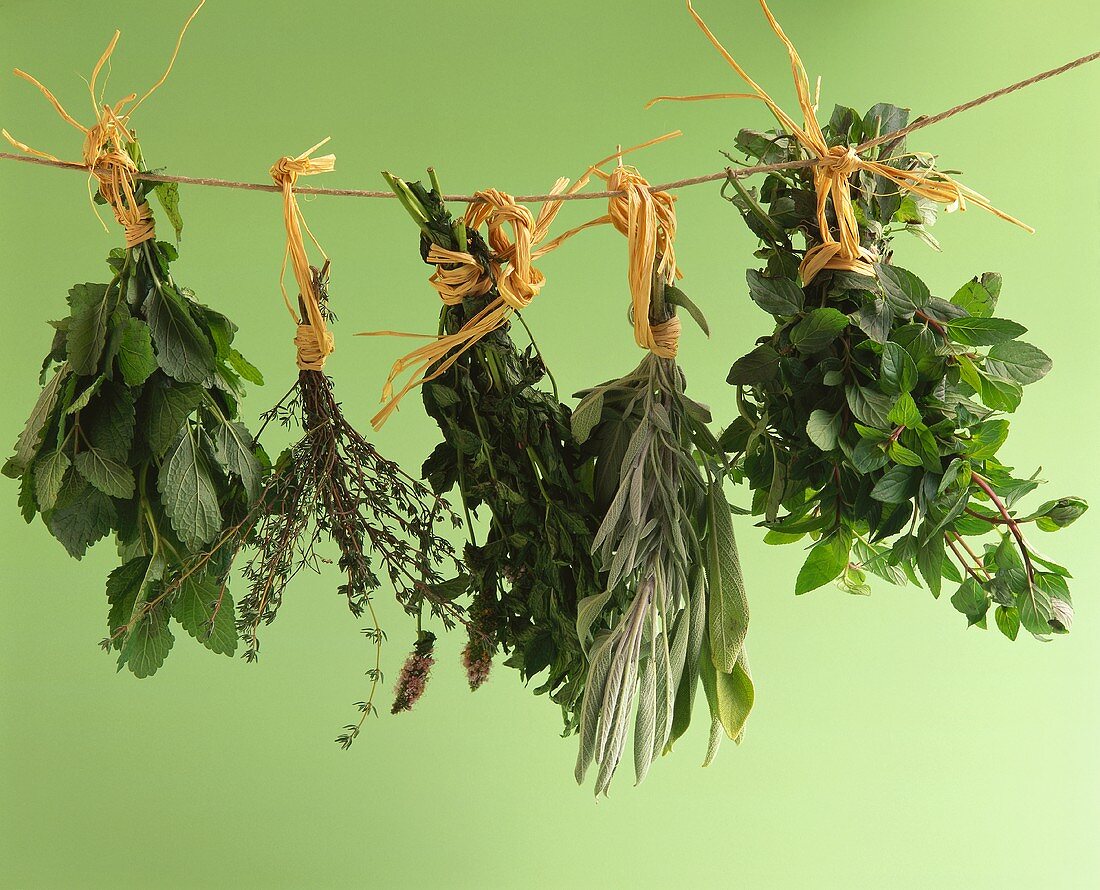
<point>459,275</point>
<point>312,339</point>
<point>648,220</point>
<point>835,165</point>
<point>106,154</point>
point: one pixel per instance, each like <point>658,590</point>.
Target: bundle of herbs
<point>507,446</point>
<point>872,416</point>
<point>334,484</point>
<point>136,430</point>
<point>674,608</point>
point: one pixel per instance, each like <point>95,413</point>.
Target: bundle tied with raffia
<point>108,144</point>
<point>313,339</point>
<point>460,275</point>
<point>670,556</point>
<point>835,165</point>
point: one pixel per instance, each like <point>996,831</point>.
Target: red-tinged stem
<point>932,323</point>
<point>978,562</point>
<point>1013,527</point>
<point>992,520</point>
<point>962,560</point>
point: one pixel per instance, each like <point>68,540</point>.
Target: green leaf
<point>1001,395</point>
<point>188,490</point>
<point>136,359</point>
<point>30,439</point>
<point>205,610</point>
<point>1050,517</point>
<point>169,406</point>
<point>81,516</point>
<point>905,412</point>
<point>899,371</point>
<point>818,329</point>
<point>778,296</point>
<point>586,416</point>
<point>245,368</point>
<point>676,297</point>
<point>49,475</point>
<point>976,298</point>
<point>108,475</point>
<point>1035,607</point>
<point>183,350</point>
<point>972,601</point>
<point>986,438</point>
<point>899,454</point>
<point>234,450</point>
<point>826,560</point>
<point>983,331</point>
<point>930,559</point>
<point>147,644</point>
<point>904,291</point>
<point>823,428</point>
<point>588,611</point>
<point>758,366</point>
<point>896,485</point>
<point>728,616</point>
<point>125,587</point>
<point>1008,621</point>
<point>736,695</point>
<point>110,426</point>
<point>168,193</point>
<point>1018,361</point>
<point>92,305</point>
<point>869,405</point>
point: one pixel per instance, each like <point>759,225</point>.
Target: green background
<point>890,746</point>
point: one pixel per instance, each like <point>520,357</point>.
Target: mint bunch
<point>873,413</point>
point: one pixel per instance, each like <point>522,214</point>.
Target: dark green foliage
<point>136,435</point>
<point>871,417</point>
<point>507,447</point>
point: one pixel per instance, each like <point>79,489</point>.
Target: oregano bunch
<point>136,435</point>
<point>872,415</point>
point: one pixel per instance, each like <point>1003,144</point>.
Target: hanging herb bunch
<point>334,484</point>
<point>507,444</point>
<point>872,415</point>
<point>674,607</point>
<point>135,433</point>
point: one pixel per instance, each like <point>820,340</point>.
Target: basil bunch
<point>872,415</point>
<point>136,434</point>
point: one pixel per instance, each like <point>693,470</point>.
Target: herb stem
<point>1013,527</point>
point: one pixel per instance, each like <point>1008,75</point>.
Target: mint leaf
<point>896,486</point>
<point>899,371</point>
<point>1018,361</point>
<point>778,296</point>
<point>183,350</point>
<point>818,329</point>
<point>92,305</point>
<point>983,331</point>
<point>976,298</point>
<point>904,291</point>
<point>168,193</point>
<point>204,609</point>
<point>758,366</point>
<point>233,450</point>
<point>148,643</point>
<point>108,475</point>
<point>823,428</point>
<point>136,359</point>
<point>169,406</point>
<point>49,476</point>
<point>188,490</point>
<point>827,559</point>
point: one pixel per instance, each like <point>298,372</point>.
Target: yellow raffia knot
<point>459,275</point>
<point>312,339</point>
<point>106,150</point>
<point>834,165</point>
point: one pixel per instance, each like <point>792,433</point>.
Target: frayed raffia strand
<point>313,339</point>
<point>645,218</point>
<point>459,275</point>
<point>106,154</point>
<point>833,165</point>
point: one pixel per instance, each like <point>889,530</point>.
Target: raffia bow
<point>313,340</point>
<point>835,165</point>
<point>106,154</point>
<point>459,275</point>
